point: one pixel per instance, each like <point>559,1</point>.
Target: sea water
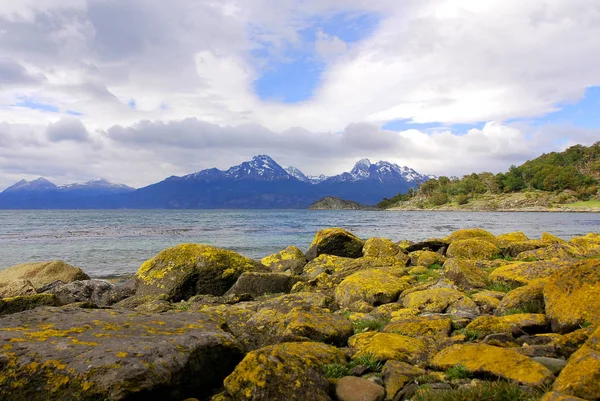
<point>115,242</point>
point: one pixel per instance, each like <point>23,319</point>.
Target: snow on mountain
<point>99,184</point>
<point>382,171</point>
<point>296,173</point>
<point>41,184</point>
<point>315,179</point>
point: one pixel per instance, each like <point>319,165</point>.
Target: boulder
<point>437,300</point>
<point>528,298</point>
<point>521,273</point>
<point>335,241</point>
<point>553,396</point>
<point>519,324</point>
<point>587,245</point>
<point>515,248</point>
<point>487,301</point>
<point>581,376</point>
<point>552,251</point>
<point>504,240</point>
<point>464,274</point>
<point>291,260</point>
<point>12,305</point>
<point>489,360</point>
<point>434,245</point>
<point>472,249</point>
<point>352,388</point>
<point>72,353</point>
<point>373,286</point>
<point>386,249</point>
<point>40,274</point>
<point>190,269</point>
<point>429,258</point>
<point>302,323</point>
<point>284,372</point>
<point>98,292</point>
<point>389,346</point>
<point>436,327</point>
<point>552,239</point>
<point>567,344</point>
<point>470,233</point>
<point>256,284</point>
<point>16,288</point>
<point>571,296</point>
<point>396,375</point>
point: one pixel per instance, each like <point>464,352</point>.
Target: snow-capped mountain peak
<point>40,184</point>
<point>296,173</point>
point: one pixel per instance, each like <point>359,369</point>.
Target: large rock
<point>16,288</point>
<point>291,260</point>
<point>472,249</point>
<point>282,372</point>
<point>518,324</point>
<point>384,248</point>
<point>588,245</point>
<point>470,233</point>
<point>303,323</point>
<point>389,346</point>
<point>373,286</point>
<point>464,274</point>
<point>552,251</point>
<point>515,248</point>
<point>39,274</point>
<point>521,273</point>
<point>91,354</point>
<point>256,284</point>
<point>12,305</point>
<point>335,241</point>
<point>529,297</point>
<point>581,376</point>
<point>396,375</point>
<point>352,388</point>
<point>189,269</point>
<point>437,300</point>
<point>99,292</point>
<point>571,296</point>
<point>436,327</point>
<point>489,360</point>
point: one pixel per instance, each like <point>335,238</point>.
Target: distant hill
<point>551,179</point>
<point>335,203</point>
<point>260,183</point>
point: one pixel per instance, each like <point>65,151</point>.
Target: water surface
<point>116,242</point>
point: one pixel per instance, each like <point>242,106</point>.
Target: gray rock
<point>257,284</point>
<point>95,291</point>
<point>554,365</point>
<point>352,388</point>
<point>73,354</point>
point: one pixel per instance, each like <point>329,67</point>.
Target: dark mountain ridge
<point>260,183</point>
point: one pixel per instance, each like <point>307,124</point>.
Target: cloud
<point>67,129</point>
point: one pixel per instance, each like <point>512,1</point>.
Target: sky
<point>138,90</point>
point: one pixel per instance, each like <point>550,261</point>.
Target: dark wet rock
<point>190,269</point>
<point>98,292</point>
<point>434,245</point>
<point>12,305</point>
<point>257,284</point>
<point>335,241</point>
<point>98,354</point>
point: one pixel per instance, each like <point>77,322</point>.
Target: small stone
<point>555,365</point>
<point>352,388</point>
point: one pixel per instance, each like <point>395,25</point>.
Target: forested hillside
<point>575,171</point>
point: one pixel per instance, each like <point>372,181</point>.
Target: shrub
<point>462,199</point>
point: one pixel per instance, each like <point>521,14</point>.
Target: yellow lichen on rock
<point>429,258</point>
<point>522,273</point>
<point>552,251</point>
<point>291,259</point>
<point>470,233</point>
<point>517,324</point>
<point>383,248</point>
<point>437,327</point>
<point>435,300</point>
<point>508,238</point>
<point>500,362</point>
<point>373,286</point>
<point>464,274</point>
<point>571,296</point>
<point>27,302</point>
<point>288,371</point>
<point>529,297</point>
<point>581,376</point>
<point>389,346</point>
<point>474,248</point>
<point>547,237</point>
<point>588,245</point>
<point>554,396</point>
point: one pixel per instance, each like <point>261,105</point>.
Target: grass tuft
<point>458,372</point>
<point>360,326</point>
<point>527,307</point>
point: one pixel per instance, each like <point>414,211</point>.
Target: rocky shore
<point>471,316</point>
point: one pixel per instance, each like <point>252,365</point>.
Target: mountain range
<point>260,183</point>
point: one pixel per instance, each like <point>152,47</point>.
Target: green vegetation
<point>457,372</point>
<point>527,307</point>
<point>577,169</point>
<point>360,326</point>
<point>470,335</point>
<point>337,370</point>
<point>502,287</point>
<point>586,204</point>
<point>429,275</point>
<point>483,391</point>
<point>435,266</point>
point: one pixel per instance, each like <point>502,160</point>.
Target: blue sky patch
<point>293,76</point>
<point>457,129</point>
<point>585,113</point>
<point>30,104</point>
<point>73,113</point>
<point>132,104</point>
